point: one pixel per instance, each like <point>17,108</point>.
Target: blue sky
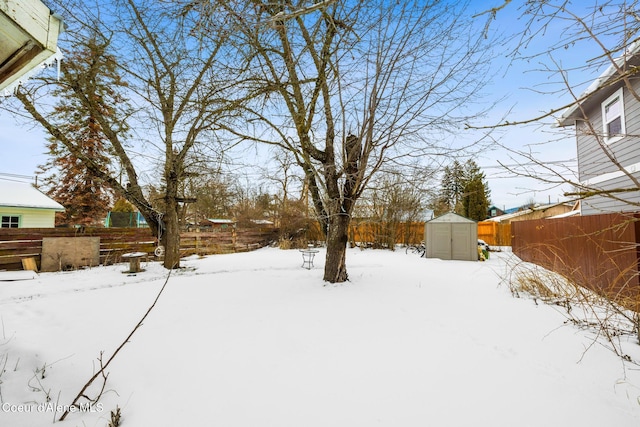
<point>520,84</point>
<point>23,146</point>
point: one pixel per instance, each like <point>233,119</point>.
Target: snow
<point>20,194</point>
<point>253,339</point>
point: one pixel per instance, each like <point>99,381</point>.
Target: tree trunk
<point>335,269</point>
<point>171,236</point>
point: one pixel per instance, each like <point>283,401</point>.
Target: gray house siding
<point>596,170</point>
<point>630,202</point>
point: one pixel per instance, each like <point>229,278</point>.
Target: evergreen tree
<point>475,199</point>
<point>69,182</point>
<point>452,190</point>
<point>464,190</point>
<point>122,205</point>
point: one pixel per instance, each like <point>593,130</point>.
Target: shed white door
<point>441,241</point>
<point>461,241</point>
<point>451,241</point>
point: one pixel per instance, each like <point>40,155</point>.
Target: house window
<point>10,221</point>
<point>613,117</point>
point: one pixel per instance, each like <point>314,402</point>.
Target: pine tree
<point>464,190</point>
<point>69,182</point>
<point>452,190</point>
<point>475,200</point>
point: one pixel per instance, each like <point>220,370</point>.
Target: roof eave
<point>572,113</point>
<point>28,41</point>
<point>53,208</point>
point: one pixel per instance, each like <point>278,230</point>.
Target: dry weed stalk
<point>101,373</point>
<point>116,418</point>
<point>603,314</point>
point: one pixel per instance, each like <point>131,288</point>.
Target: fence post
<point>234,237</point>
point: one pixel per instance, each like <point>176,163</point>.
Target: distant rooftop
<point>516,212</point>
<point>221,221</point>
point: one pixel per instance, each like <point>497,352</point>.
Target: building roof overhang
<point>630,60</point>
<point>28,41</point>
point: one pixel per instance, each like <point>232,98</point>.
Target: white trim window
<point>613,117</point>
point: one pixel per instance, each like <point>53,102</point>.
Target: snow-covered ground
<point>253,339</point>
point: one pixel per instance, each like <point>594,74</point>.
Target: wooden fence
<point>495,233</point>
<point>20,243</point>
<point>598,252</point>
<point>226,241</point>
<point>382,234</point>
<point>376,234</point>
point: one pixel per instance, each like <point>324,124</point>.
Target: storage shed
<point>451,236</point>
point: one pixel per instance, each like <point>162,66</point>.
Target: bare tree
<point>608,34</point>
<point>394,201</point>
<point>354,85</point>
<point>593,102</point>
<point>291,210</point>
<point>177,87</point>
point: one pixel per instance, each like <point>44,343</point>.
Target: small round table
<point>307,257</point>
<point>134,261</point>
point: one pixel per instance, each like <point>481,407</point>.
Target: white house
<point>24,206</point>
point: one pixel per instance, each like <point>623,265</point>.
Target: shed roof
<point>451,217</point>
<point>23,195</point>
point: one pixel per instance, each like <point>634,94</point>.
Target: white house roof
<point>569,116</point>
<point>23,195</point>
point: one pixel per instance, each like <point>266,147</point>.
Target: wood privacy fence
<point>21,243</point>
<point>495,233</point>
<point>376,234</point>
<point>226,241</point>
<point>382,234</point>
<point>597,252</point>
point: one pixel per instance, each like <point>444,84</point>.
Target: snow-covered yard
<point>253,339</point>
